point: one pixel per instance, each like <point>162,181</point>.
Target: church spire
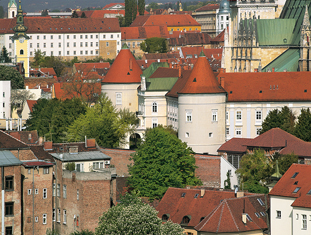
<point>306,19</point>
<point>20,29</point>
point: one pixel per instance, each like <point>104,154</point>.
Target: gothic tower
<point>20,41</point>
<point>305,52</point>
<point>12,9</point>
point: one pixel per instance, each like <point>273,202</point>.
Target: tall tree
<point>4,55</point>
<point>303,126</point>
<point>161,161</point>
<point>10,74</point>
<point>74,15</point>
<point>128,12</point>
<point>134,9</point>
<point>1,12</point>
<point>141,7</point>
<point>103,123</point>
<point>132,216</point>
<point>44,12</point>
<point>83,15</point>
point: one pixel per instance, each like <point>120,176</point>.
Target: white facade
<point>66,44</point>
<point>226,166</point>
<point>222,21</point>
<point>5,99</point>
<point>12,10</point>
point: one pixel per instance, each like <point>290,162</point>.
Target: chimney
<point>244,218</point>
<point>222,82</point>
<point>131,64</point>
<point>256,70</point>
<point>143,83</point>
<point>273,69</point>
<point>85,139</point>
<point>239,194</point>
<point>40,140</point>
<point>202,192</point>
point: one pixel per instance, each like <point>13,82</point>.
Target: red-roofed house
<point>202,211</point>
<point>290,200</point>
<point>114,6</point>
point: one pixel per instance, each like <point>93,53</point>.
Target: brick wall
<point>208,170</point>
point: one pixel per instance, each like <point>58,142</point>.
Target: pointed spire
<point>277,172</point>
<point>306,19</point>
<point>20,29</point>
<point>124,46</point>
<point>202,54</point>
<point>20,5</point>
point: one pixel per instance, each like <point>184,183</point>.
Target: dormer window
<point>165,217</point>
<point>296,190</point>
<point>185,220</point>
<point>294,176</point>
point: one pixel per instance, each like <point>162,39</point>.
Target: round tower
<point>201,109</point>
<point>223,16</point>
<point>12,9</point>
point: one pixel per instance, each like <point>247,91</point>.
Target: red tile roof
<point>209,53</point>
<point>124,69</point>
<point>144,32</point>
<point>31,103</point>
<point>180,83</point>
<point>62,25</point>
<point>9,142</point>
<point>238,145</point>
<point>87,67</point>
<point>268,86</point>
<point>113,4</point>
<point>189,38</point>
<point>167,20</point>
<point>202,80</point>
<point>220,37</point>
<point>287,184</point>
<point>227,216</point>
<point>171,55</point>
<point>177,206</point>
<point>28,137</point>
<point>38,163</point>
<point>208,7</point>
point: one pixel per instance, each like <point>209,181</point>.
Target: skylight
<point>183,194</point>
<point>296,173</point>
<point>260,202</point>
<point>296,190</point>
<point>309,193</point>
<point>249,218</point>
<point>257,214</point>
<point>262,213</point>
<point>196,195</point>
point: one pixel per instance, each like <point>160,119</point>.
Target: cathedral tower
<point>305,52</point>
<point>12,9</point>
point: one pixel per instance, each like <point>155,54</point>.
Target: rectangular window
<point>9,208</point>
<point>67,36</point>
<point>44,218</point>
<point>133,44</point>
<point>59,44</point>
<point>227,131</point>
<point>10,45</point>
<point>258,130</point>
<point>81,52</point>
<point>51,36</point>
<point>36,191</point>
<point>91,52</point>
<point>91,36</point>
<point>119,98</point>
<point>44,45</point>
<point>52,44</point>
<point>74,52</point>
<point>9,183</point>
<point>36,219</point>
<point>45,170</point>
<point>78,194</point>
<point>64,216</point>
<point>74,36</point>
<point>238,115</point>
<point>65,191</point>
<point>85,44</point>
<point>45,193</point>
<point>58,215</point>
<point>154,122</point>
<point>107,44</point>
<point>104,36</point>
<point>29,191</point>
<point>29,171</point>
<point>59,53</point>
<point>51,53</point>
<point>54,188</point>
<point>30,45</point>
<point>67,44</point>
<point>111,36</point>
<point>38,37</point>
<point>188,116</point>
<point>67,52</point>
<point>59,37</point>
<point>214,115</point>
<point>9,230</point>
<point>304,221</point>
<point>238,132</point>
<point>91,44</point>
<point>86,52</point>
<point>96,36</point>
<point>97,45</point>
<point>85,36</point>
<point>74,44</point>
<point>30,53</point>
<point>54,214</point>
<point>258,116</point>
<point>81,36</point>
<point>38,45</point>
<point>58,190</point>
<point>278,214</point>
<point>80,167</point>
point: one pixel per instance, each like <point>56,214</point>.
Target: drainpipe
<point>3,199</point>
<point>33,201</point>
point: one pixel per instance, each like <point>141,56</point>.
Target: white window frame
<point>304,224</point>
<point>64,216</point>
<point>214,115</point>
<point>154,107</point>
<point>81,167</point>
<point>45,193</point>
<point>227,117</point>
<point>188,116</point>
<point>64,191</point>
<point>54,214</point>
<point>238,130</point>
<point>258,131</point>
<point>118,98</point>
<point>58,190</point>
<point>239,115</point>
<point>258,115</point>
<point>54,189</point>
<point>44,219</point>
<point>278,214</point>
<point>29,191</point>
<point>154,122</point>
<point>36,191</point>
<point>45,170</point>
<point>36,219</point>
<point>78,194</point>
<point>58,215</point>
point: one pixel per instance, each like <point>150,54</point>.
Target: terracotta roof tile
<point>124,69</point>
<point>237,145</point>
<point>202,80</point>
<point>220,37</point>
<point>28,137</point>
<point>144,32</point>
<point>31,103</point>
<point>168,20</point>
<point>87,67</point>
<point>208,7</point>
<point>180,83</point>
<point>38,163</point>
<point>190,38</point>
<point>9,142</point>
<point>113,4</point>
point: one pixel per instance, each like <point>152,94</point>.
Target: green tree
<point>141,7</point>
<point>44,12</point>
<point>254,172</point>
<point>83,232</point>
<point>227,181</point>
<point>128,12</point>
<point>74,15</point>
<point>132,216</point>
<point>161,161</point>
<point>4,56</point>
<point>83,15</point>
<point>70,166</point>
<point>134,9</point>
<point>284,161</point>
<point>10,74</point>
<point>1,12</point>
<point>284,119</point>
<point>102,122</point>
<point>52,117</point>
<point>153,45</point>
<point>303,126</point>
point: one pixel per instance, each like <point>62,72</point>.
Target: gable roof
<point>180,83</point>
<point>87,67</point>
<point>202,79</point>
<point>288,183</point>
<point>286,86</point>
<point>208,7</point>
<point>227,217</point>
<point>9,142</point>
<point>31,103</point>
<point>144,32</point>
<point>28,137</point>
<point>235,145</point>
<point>190,38</point>
<point>124,69</point>
<point>168,20</point>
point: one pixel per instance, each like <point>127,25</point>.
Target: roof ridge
<point>210,215</point>
<point>14,137</point>
<point>232,216</point>
<point>222,209</point>
<point>255,210</point>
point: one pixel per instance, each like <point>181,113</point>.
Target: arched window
<point>21,52</point>
<point>165,217</point>
<point>13,14</point>
<point>185,220</point>
<point>154,107</point>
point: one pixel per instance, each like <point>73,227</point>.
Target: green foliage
<point>121,19</point>
<point>284,119</point>
<point>4,56</point>
<point>52,232</point>
<point>103,123</point>
<point>128,13</point>
<point>303,126</point>
<point>74,15</point>
<point>153,45</point>
<point>141,7</point>
<point>132,216</point>
<point>83,232</point>
<point>44,12</point>
<point>284,161</point>
<point>52,117</point>
<point>161,161</point>
<point>1,12</point>
<point>227,181</point>
<point>83,15</point>
<point>134,9</point>
<point>10,74</point>
<point>70,166</point>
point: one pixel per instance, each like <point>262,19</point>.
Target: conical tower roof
<point>11,2</point>
<point>202,79</point>
<point>124,69</point>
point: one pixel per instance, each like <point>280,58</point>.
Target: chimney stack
<point>256,70</point>
<point>131,64</point>
<point>202,192</point>
<point>273,69</point>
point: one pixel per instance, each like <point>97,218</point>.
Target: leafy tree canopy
<point>161,161</point>
<point>132,216</point>
<point>52,117</point>
<point>4,56</point>
<point>303,126</point>
<point>141,7</point>
<point>153,45</point>
<point>104,123</point>
<point>10,74</point>
<point>83,15</point>
<point>74,15</point>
